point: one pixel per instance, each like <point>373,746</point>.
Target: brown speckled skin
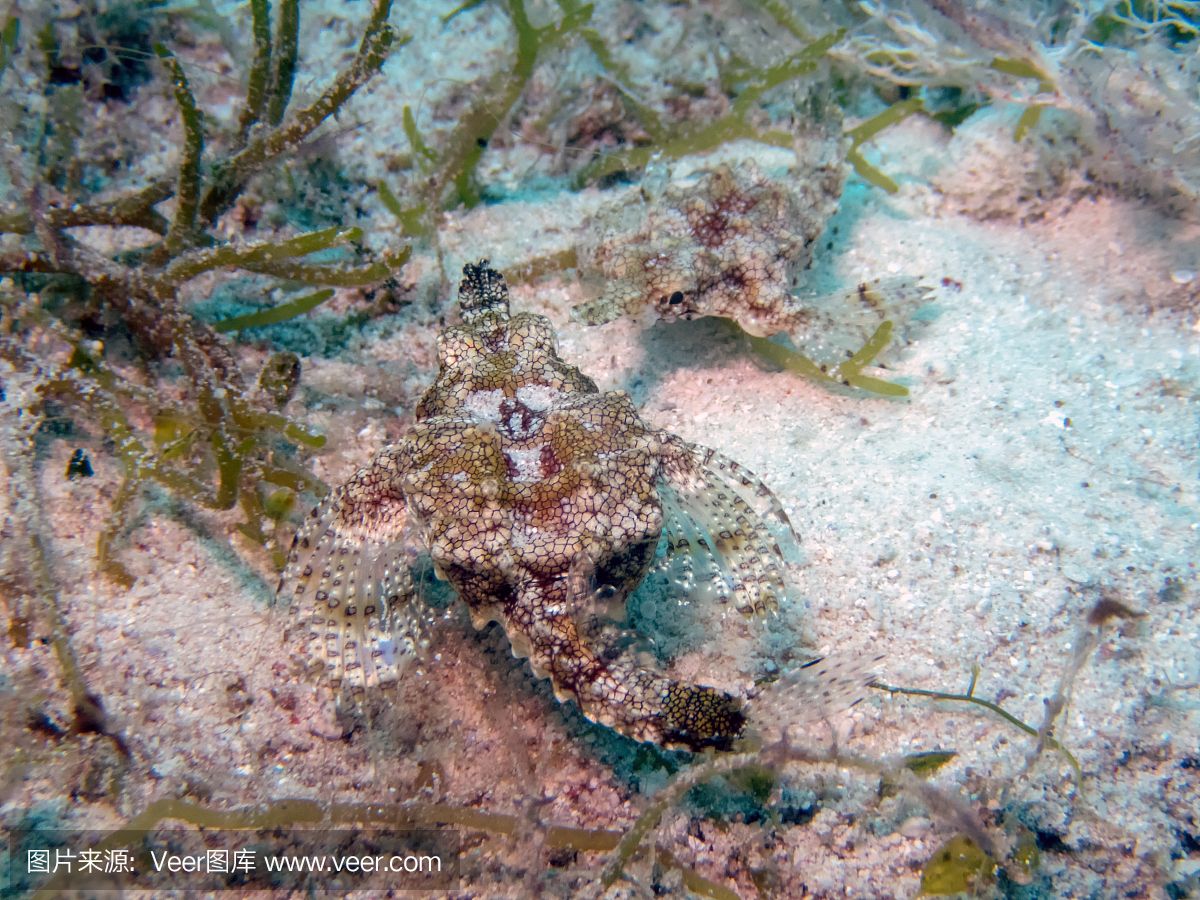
<point>733,243</point>
<point>518,476</point>
<point>729,245</point>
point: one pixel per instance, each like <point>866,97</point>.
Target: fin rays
<point>725,530</point>
<point>830,324</point>
<point>818,690</point>
<point>348,581</point>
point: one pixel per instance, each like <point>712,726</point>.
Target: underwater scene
<point>537,448</point>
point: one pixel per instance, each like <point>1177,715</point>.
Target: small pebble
<point>915,827</point>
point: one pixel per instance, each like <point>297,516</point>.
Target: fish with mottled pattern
<point>528,486</point>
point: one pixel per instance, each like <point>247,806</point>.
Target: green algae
<point>461,154</point>
<point>187,187</point>
<point>735,125</point>
<point>9,35</point>
<point>848,373</point>
<point>257,89</point>
<point>221,445</point>
<point>289,812</point>
<point>860,134</point>
<point>37,580</point>
<point>275,314</point>
<point>956,867</point>
<point>927,762</point>
<point>1023,68</point>
<point>969,697</point>
<point>283,60</point>
<point>447,167</point>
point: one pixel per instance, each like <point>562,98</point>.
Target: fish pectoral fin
<point>348,581</point>
<point>724,530</point>
<point>813,692</point>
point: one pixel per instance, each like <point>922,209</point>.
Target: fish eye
<point>676,298</point>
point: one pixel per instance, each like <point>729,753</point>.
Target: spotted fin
<point>726,533</point>
<point>348,580</point>
<point>618,298</point>
<point>830,325</point>
<point>815,691</point>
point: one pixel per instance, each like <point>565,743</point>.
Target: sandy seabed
<point>1046,458</point>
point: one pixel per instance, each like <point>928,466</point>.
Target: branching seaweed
<point>275,314</point>
<point>289,813</point>
<point>36,578</point>
<point>734,125</point>
<point>968,696</point>
<point>223,445</point>
<point>776,758</point>
<point>847,373</point>
<point>860,134</point>
<point>448,170</point>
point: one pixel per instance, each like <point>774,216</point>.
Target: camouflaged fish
<point>732,243</point>
<point>528,487</point>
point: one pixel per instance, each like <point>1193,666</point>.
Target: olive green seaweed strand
<point>287,42</point>
<point>9,37</point>
<point>846,373</point>
<point>969,697</point>
<point>467,143</point>
<point>260,69</point>
<point>276,314</point>
<point>187,186</point>
<point>229,176</point>
<point>334,275</point>
<point>285,813</point>
<point>415,140</point>
<point>622,77</point>
<point>192,264</point>
<point>735,125</point>
<point>862,133</point>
